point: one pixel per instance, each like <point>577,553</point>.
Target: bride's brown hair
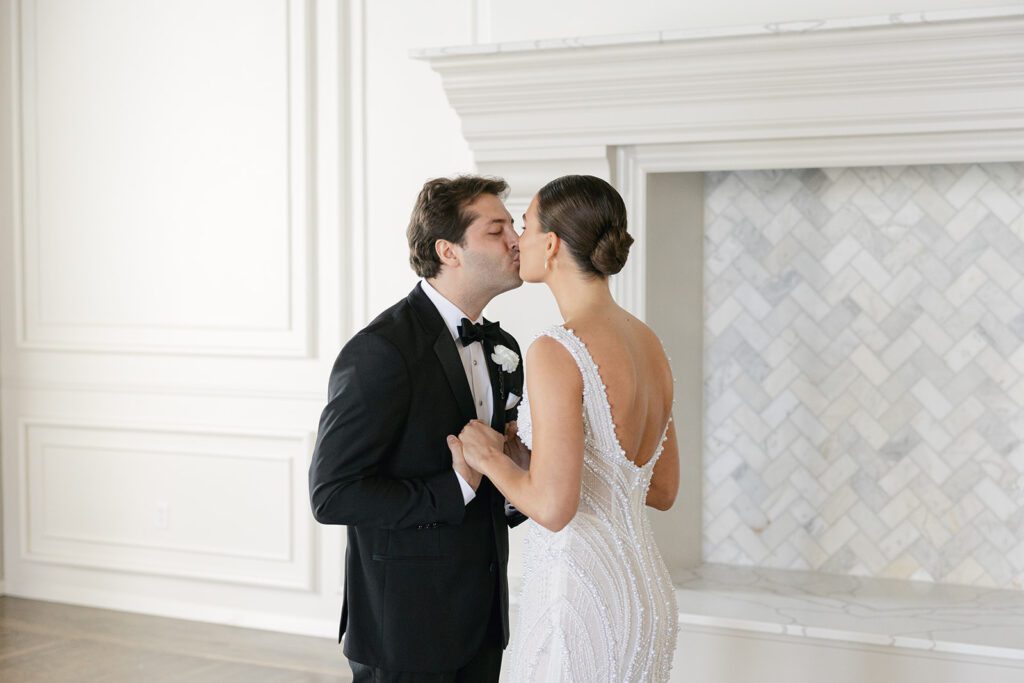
<point>588,214</point>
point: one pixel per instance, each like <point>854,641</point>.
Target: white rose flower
<point>506,358</point>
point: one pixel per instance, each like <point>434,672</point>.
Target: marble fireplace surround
<point>934,88</point>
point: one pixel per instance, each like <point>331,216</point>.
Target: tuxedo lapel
<point>444,349</point>
<point>497,391</point>
<point>446,352</point>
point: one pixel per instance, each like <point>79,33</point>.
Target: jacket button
<point>493,568</point>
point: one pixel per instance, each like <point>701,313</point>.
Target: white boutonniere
<point>506,358</point>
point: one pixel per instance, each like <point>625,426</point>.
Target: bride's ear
<point>551,249</point>
<point>552,246</point>
<point>446,253</point>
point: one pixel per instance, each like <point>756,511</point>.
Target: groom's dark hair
<point>440,214</point>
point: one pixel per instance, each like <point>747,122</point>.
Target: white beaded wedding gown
<point>596,604</point>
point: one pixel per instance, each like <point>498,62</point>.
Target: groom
<point>426,590</point>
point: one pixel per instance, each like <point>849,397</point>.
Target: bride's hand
<point>480,443</point>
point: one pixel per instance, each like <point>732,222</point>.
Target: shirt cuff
<point>468,493</point>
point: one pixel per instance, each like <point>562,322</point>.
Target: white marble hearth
<point>914,615</point>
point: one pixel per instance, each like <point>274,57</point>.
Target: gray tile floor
<point>54,643</point>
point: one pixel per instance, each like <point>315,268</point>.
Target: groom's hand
<point>517,451</point>
<point>471,476</point>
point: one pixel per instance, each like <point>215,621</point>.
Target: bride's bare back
<point>637,380</point>
<point>637,377</point>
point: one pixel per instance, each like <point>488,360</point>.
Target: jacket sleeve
<point>368,402</point>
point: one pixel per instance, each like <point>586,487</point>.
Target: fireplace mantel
<point>934,88</point>
<point>943,87</point>
<point>952,71</point>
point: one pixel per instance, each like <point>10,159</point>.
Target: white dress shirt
<point>473,362</point>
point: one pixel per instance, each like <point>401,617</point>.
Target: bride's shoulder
<point>651,337</point>
<point>549,356</point>
<point>548,344</point>
<point>654,348</point>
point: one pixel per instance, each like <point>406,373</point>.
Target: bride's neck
<point>576,295</point>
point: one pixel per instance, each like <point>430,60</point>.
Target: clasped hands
<point>477,444</point>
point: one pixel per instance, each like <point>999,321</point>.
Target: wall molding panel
<point>290,334</point>
<point>181,516</point>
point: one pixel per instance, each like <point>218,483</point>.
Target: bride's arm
<point>549,491</point>
<point>665,478</point>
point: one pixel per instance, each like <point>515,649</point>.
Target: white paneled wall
<point>174,284</point>
<point>201,200</point>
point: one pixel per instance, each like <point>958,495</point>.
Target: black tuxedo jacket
<point>421,567</point>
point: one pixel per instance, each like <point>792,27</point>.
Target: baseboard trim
<point>177,609</point>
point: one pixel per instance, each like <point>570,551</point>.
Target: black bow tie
<point>470,332</point>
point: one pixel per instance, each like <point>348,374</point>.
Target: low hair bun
<point>588,214</point>
<point>611,251</point>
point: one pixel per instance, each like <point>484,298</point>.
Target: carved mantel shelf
<point>898,74</point>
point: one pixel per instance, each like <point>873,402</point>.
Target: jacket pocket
<point>413,545</point>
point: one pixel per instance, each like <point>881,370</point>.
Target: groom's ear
<point>446,253</point>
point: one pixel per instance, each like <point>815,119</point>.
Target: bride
<point>597,604</point>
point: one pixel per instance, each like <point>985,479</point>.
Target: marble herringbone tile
<point>864,378</point>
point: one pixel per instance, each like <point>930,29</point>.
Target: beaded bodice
<point>597,602</point>
<point>611,481</point>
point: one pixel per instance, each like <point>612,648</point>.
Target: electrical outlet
<point>161,515</point>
